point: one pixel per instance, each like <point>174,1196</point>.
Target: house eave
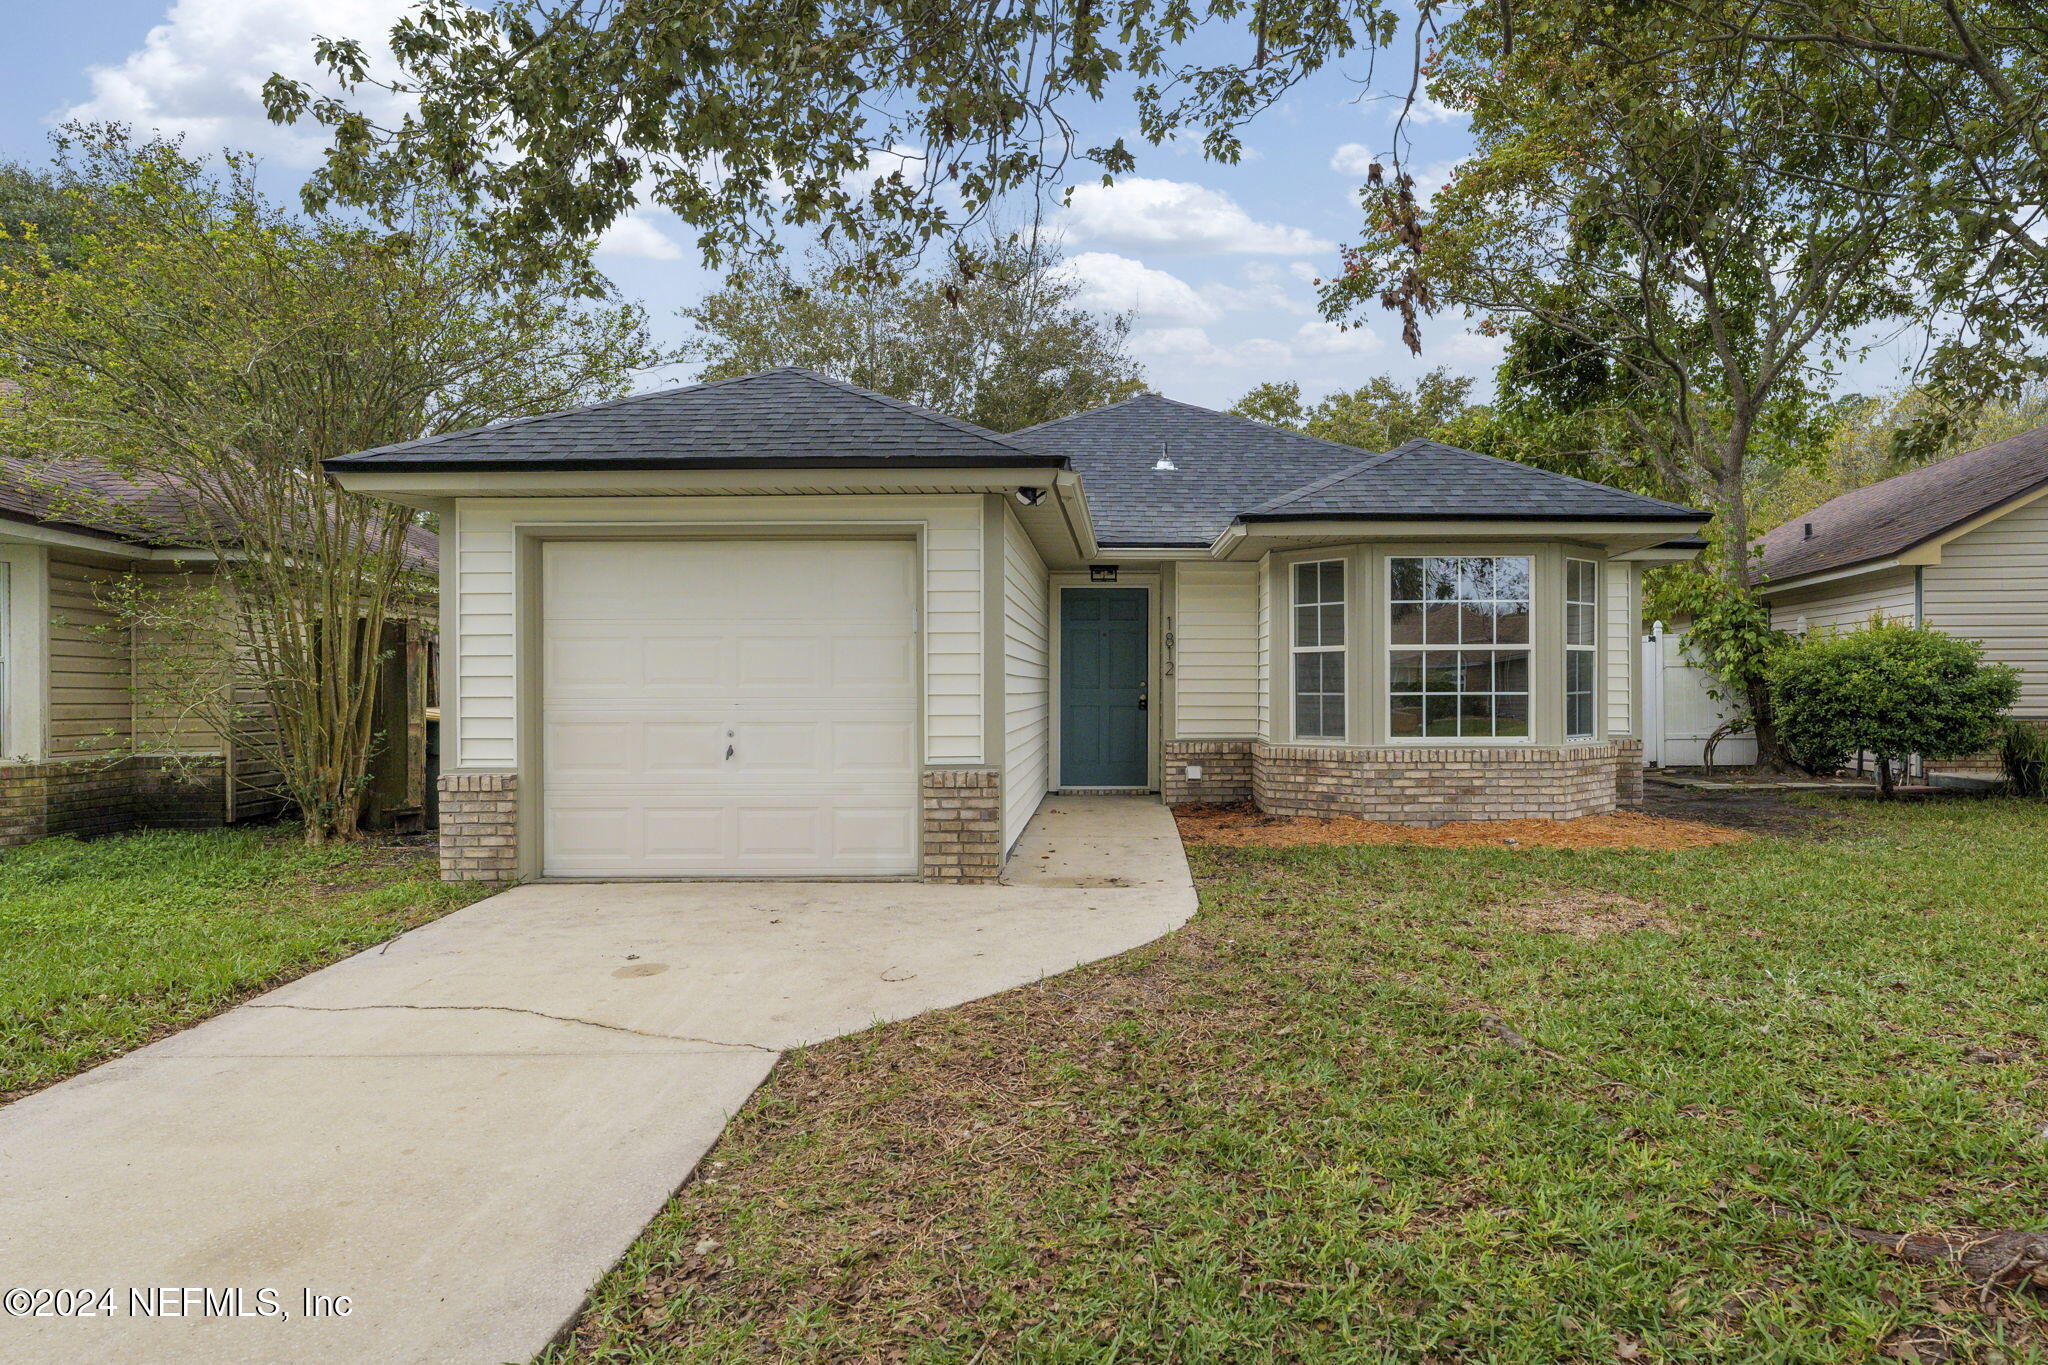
<point>1248,539</point>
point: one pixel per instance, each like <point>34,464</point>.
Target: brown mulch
<point>1242,825</point>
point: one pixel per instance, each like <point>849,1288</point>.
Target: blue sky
<point>1217,261</point>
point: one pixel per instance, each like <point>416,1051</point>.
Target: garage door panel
<point>734,708</point>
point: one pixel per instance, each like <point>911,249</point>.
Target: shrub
<point>1891,689</point>
<point>2023,753</point>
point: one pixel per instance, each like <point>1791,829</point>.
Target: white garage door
<point>740,708</point>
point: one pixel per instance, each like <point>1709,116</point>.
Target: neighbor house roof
<point>1159,472</point>
<point>1427,480</point>
<point>785,418</point>
<point>1887,518</point>
<point>90,499</point>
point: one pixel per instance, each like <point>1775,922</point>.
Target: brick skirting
<point>479,827</point>
<point>91,796</point>
<point>1226,766</point>
<point>1432,786</point>
<point>963,824</point>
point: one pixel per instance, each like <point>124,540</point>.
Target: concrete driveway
<point>460,1131</point>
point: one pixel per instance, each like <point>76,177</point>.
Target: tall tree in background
<point>208,343</point>
<point>1377,415</point>
<point>995,337</point>
<point>1653,262</point>
<point>1869,442</point>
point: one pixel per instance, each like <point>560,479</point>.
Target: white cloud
<point>1119,284</point>
<point>1353,158</point>
<point>1427,110</point>
<point>1264,287</point>
<point>201,71</point>
<point>1178,215</point>
<point>1326,338</point>
<point>638,235</point>
<point>1471,348</point>
<point>1193,347</point>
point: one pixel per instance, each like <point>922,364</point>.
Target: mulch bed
<point>1243,825</point>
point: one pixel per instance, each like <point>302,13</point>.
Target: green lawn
<point>1362,1110</point>
<point>109,944</point>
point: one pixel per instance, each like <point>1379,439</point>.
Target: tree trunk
<point>1885,789</point>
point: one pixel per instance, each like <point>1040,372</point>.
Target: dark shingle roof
<point>1885,518</point>
<point>786,418</point>
<point>1428,480</point>
<point>1229,468</point>
<point>1222,465</point>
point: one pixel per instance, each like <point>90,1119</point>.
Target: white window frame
<point>24,612</point>
<point>1296,649</point>
<point>1588,649</point>
<point>1384,677</point>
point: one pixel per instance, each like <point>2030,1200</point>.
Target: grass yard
<point>107,945</point>
<point>1421,1104</point>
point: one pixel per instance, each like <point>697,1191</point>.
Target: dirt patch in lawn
<point>1243,825</point>
<point>1592,914</point>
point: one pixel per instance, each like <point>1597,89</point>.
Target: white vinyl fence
<point>1678,713</point>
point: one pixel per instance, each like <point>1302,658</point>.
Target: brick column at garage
<point>963,824</point>
<point>479,827</point>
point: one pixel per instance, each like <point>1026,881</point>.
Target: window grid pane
<point>1459,609</point>
<point>1581,636</point>
<point>1319,650</point>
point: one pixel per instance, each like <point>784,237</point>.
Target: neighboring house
<point>778,626</point>
<point>1960,544</point>
<point>83,749</point>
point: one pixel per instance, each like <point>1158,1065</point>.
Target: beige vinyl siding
<point>91,667</point>
<point>1992,586</point>
<point>1623,642</point>
<point>1264,674</point>
<point>1849,603</point>
<point>479,663</point>
<point>1027,679</point>
<point>1216,655</point>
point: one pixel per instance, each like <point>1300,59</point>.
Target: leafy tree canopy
<point>1377,415</point>
<point>994,337</point>
<point>891,123</point>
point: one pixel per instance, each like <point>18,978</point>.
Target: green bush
<point>1891,689</point>
<point>2023,753</point>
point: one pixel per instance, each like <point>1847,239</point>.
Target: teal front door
<point>1103,677</point>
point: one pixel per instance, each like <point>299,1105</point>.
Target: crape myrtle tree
<point>201,340</point>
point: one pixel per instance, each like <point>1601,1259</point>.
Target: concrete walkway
<point>461,1130</point>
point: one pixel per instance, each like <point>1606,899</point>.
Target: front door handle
<point>1144,700</point>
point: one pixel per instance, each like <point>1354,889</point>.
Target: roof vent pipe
<point>1809,532</point>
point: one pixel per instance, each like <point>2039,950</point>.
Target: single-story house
<point>86,746</point>
<point>777,626</point>
<point>1960,544</point>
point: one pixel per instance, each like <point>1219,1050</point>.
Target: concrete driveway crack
<point>514,1009</point>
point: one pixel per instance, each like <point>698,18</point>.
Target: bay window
<point>1319,650</point>
<point>1581,639</point>
<point>1458,647</point>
